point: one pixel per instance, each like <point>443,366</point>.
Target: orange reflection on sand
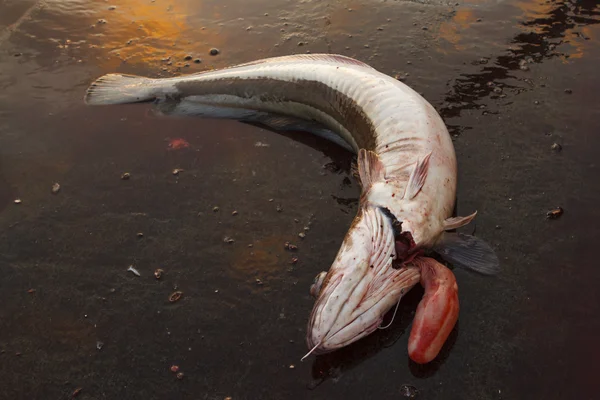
<point>575,37</point>
<point>266,258</point>
<point>453,30</point>
<point>152,33</point>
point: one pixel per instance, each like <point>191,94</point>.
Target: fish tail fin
<point>120,89</point>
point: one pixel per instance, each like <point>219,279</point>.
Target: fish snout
<point>341,317</point>
<point>321,341</point>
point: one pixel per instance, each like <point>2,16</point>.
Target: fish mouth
<point>327,345</point>
<point>353,323</point>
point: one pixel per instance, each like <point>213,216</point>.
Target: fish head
<point>361,286</point>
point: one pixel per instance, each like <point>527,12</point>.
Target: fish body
<point>406,164</point>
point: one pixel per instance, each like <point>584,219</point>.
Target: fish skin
<point>376,115</point>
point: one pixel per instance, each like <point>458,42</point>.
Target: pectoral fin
<point>370,168</point>
<point>468,252</point>
<point>417,178</point>
<point>457,222</point>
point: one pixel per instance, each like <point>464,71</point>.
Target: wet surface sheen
<point>510,78</point>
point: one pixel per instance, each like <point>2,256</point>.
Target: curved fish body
<point>407,168</point>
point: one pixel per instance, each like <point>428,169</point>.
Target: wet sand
<point>510,78</point>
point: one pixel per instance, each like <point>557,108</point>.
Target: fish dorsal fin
<point>457,222</point>
<point>370,168</point>
<point>297,58</point>
<point>417,177</point>
<point>331,58</point>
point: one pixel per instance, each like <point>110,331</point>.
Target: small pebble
<point>140,235</point>
<point>227,239</point>
<point>175,296</point>
<point>234,213</point>
<point>176,171</point>
<point>126,176</point>
<point>99,345</point>
<point>158,273</point>
<point>214,51</point>
<point>174,368</point>
<point>556,147</point>
<point>197,61</point>
<point>292,366</point>
<point>55,188</point>
<point>76,392</point>
<point>258,281</point>
<point>555,213</point>
<point>290,246</point>
<point>408,391</point>
<point>568,91</point>
<point>187,58</point>
<point>111,8</point>
<point>102,21</point>
<point>180,375</point>
<point>302,235</point>
<point>215,209</point>
<point>17,201</point>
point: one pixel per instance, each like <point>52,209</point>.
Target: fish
<point>405,164</point>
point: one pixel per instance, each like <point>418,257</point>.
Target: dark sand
<point>530,333</point>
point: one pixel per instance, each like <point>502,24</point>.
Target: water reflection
<point>548,25</point>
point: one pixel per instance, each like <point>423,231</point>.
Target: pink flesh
<point>437,312</point>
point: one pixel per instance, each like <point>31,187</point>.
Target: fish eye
<point>315,288</point>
